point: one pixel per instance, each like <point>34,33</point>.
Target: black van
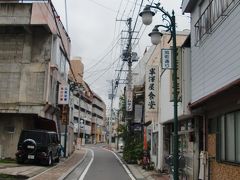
<point>39,146</point>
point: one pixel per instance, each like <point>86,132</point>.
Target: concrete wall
<point>23,68</point>
<point>139,70</point>
<point>78,68</point>
<point>165,85</point>
<point>15,13</point>
<point>10,129</point>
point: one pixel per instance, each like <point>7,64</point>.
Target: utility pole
<point>128,58</point>
<point>66,16</point>
<point>111,116</point>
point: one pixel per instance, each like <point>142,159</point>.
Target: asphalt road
<point>99,164</point>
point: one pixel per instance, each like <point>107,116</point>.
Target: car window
<point>38,137</point>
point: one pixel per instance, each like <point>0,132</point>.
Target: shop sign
<point>151,89</point>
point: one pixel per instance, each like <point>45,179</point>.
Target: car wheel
<point>20,161</point>
<point>50,161</point>
<point>57,159</point>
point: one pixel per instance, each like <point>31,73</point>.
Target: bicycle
<point>181,171</point>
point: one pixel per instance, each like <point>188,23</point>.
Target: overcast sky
<point>96,35</point>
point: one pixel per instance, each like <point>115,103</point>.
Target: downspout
<point>49,74</point>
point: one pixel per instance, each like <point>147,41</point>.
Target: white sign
<point>166,58</point>
<point>151,89</point>
<point>129,100</point>
<point>63,94</point>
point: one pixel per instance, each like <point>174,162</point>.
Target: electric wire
<point>105,7</point>
<point>103,72</point>
<point>102,58</point>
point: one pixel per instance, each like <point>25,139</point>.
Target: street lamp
<point>155,35</point>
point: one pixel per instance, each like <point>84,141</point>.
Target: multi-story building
<point>81,106</point>
<point>215,88</point>
<point>98,119</point>
<point>89,117</point>
<point>158,107</point>
<point>34,55</point>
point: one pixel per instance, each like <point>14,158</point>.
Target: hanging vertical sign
<point>63,94</point>
<point>138,112</point>
<point>151,89</point>
<point>129,100</point>
<point>166,58</point>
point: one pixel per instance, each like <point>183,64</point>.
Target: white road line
<point>124,166</point>
<point>88,166</point>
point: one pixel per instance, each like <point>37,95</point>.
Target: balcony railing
<point>23,1</point>
<point>215,12</point>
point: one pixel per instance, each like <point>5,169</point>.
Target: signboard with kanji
<point>151,88</point>
<point>129,100</point>
<point>63,94</point>
<point>166,58</point>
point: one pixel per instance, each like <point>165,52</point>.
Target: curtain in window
<point>238,136</point>
<point>230,138</point>
<point>222,138</point>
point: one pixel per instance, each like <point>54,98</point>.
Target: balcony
<point>213,15</point>
<point>82,128</point>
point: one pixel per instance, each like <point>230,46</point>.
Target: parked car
<point>39,146</point>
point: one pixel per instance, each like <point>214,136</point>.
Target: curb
<point>123,161</point>
<point>73,167</point>
<point>145,177</point>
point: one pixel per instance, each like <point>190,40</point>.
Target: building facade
<point>88,109</point>
<point>99,119</point>
<point>215,81</point>
<point>34,54</point>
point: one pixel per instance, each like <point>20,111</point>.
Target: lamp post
<point>84,129</point>
<point>155,35</point>
<point>95,134</point>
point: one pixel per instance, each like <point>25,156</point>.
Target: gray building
<point>34,53</point>
<point>215,79</point>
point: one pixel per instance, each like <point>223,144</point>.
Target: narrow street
<point>100,163</point>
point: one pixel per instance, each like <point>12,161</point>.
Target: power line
<point>105,7</point>
<point>101,59</point>
<point>103,73</point>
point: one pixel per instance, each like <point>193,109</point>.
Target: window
<point>215,12</point>
<point>229,137</point>
<point>155,143</point>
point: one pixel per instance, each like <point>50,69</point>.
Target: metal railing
<point>23,1</point>
<point>211,16</point>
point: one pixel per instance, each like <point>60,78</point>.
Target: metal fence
<point>216,11</point>
<point>24,1</point>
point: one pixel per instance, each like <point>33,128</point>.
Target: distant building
<point>99,119</point>
<point>89,117</point>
